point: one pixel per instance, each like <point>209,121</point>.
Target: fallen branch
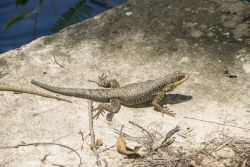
<point>91,129</point>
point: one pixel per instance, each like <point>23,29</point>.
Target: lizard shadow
<point>168,99</point>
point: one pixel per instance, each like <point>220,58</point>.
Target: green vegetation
<point>77,13</point>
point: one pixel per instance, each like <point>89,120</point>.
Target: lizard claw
<point>100,112</point>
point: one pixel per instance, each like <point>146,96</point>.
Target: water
<point>22,32</point>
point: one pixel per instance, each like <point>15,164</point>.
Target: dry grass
<point>219,152</point>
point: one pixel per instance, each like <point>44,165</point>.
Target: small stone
<point>210,34</point>
<point>238,56</point>
<point>99,142</point>
<point>185,60</point>
<point>211,10</point>
<point>187,9</point>
<point>128,13</point>
<point>196,33</point>
<point>203,27</point>
<point>242,51</point>
<point>246,67</point>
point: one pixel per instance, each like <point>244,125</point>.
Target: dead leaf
<point>123,149</point>
<point>99,143</point>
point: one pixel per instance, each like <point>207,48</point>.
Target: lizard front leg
<point>112,108</point>
<point>157,100</point>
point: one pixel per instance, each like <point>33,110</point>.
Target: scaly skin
<point>128,95</point>
<point>29,91</point>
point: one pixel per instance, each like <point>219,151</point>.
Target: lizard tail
<point>99,95</point>
<point>30,91</point>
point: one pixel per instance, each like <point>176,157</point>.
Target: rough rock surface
<point>210,40</point>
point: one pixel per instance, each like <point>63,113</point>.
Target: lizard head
<point>178,78</point>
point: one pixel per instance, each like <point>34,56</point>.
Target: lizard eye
<point>179,77</point>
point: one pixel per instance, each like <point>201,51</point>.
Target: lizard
<point>133,94</point>
<point>11,88</point>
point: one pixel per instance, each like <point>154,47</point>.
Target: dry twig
<point>80,132</point>
<point>59,63</point>
<point>45,157</point>
<point>167,141</point>
<point>44,144</point>
<point>218,123</point>
<point>91,129</point>
<point>58,165</point>
<point>223,145</point>
<point>143,129</point>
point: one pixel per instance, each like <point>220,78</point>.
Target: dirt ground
<point>208,40</point>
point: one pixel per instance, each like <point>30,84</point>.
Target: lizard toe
<point>168,112</point>
<point>100,112</point>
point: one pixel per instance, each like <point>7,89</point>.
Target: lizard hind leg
<point>106,83</point>
<point>112,108</point>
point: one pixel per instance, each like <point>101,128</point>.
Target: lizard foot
<point>102,77</point>
<point>101,80</point>
<point>168,112</point>
<point>100,112</point>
